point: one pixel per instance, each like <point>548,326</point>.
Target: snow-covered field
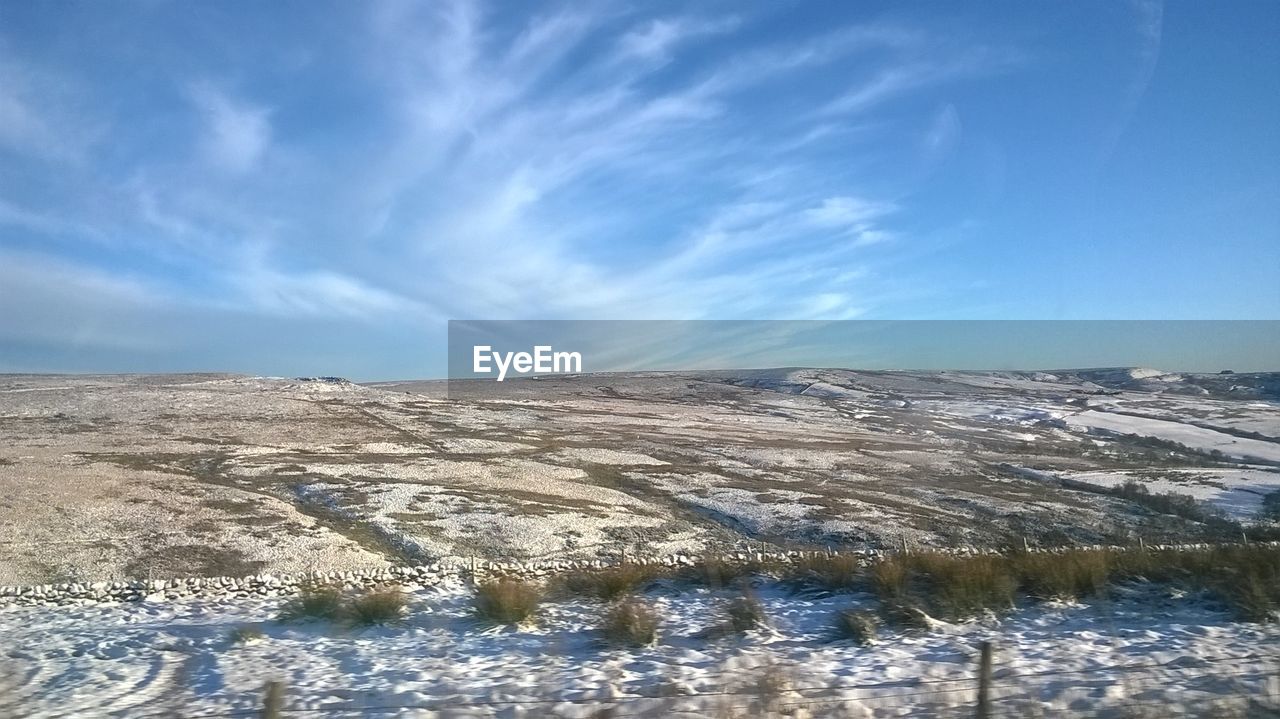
<point>1147,650</point>
<point>139,477</point>
<point>1237,492</point>
<point>1200,438</point>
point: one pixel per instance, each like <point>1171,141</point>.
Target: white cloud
<point>321,293</point>
<point>656,39</point>
<point>559,166</point>
<point>236,134</point>
<point>45,223</point>
<point>41,114</point>
<point>943,132</point>
<point>847,212</point>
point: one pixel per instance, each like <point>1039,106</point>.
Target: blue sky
<point>307,188</point>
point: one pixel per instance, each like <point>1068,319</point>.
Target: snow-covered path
<point>144,659</point>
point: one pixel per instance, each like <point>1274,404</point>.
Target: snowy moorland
<point>155,476</point>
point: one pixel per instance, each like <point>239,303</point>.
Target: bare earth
<point>139,476</point>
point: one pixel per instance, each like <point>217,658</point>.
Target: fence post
<point>273,702</point>
<point>984,682</point>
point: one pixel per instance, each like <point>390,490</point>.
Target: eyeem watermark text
<point>543,360</point>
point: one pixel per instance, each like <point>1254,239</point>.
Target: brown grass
<point>859,626</point>
<point>963,586</point>
<point>905,614</point>
<point>889,578</point>
<point>744,613</point>
<point>1066,575</point>
<point>609,583</point>
<point>313,602</point>
<point>380,606</point>
<point>630,623</point>
<point>833,572</point>
<point>507,601</point>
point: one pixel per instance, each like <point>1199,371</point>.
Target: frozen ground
<point>1144,654</point>
<point>110,477</point>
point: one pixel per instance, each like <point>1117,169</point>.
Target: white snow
<point>131,660</point>
<point>1238,492</point>
<point>1005,413</point>
<point>1192,436</point>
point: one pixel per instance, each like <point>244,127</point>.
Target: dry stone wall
<point>422,575</point>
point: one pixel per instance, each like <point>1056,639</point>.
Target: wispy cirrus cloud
<point>42,114</point>
<point>461,159</point>
<point>235,134</point>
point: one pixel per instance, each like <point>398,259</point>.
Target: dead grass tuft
<point>905,614</point>
<point>960,587</point>
<point>859,626</point>
<point>608,584</point>
<point>630,623</point>
<point>507,601</point>
<point>380,606</point>
<point>834,572</point>
<point>1067,575</point>
<point>744,613</point>
<point>245,635</point>
<point>314,601</point>
<point>889,577</point>
<point>717,572</point>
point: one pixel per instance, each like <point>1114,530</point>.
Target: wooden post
<point>984,682</point>
<point>273,702</point>
<point>1142,546</point>
<point>1025,546</point>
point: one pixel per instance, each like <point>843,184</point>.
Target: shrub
<point>313,601</point>
<point>630,623</point>
<point>860,626</point>
<point>1066,575</point>
<point>507,601</point>
<point>717,572</point>
<point>905,614</point>
<point>380,606</point>
<point>831,572</point>
<point>1249,579</point>
<point>964,586</point>
<point>740,614</point>
<point>1271,506</point>
<point>744,613</point>
<point>245,635</point>
<point>768,687</point>
<point>1179,505</point>
<point>608,584</point>
<point>1251,600</point>
<point>889,578</point>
